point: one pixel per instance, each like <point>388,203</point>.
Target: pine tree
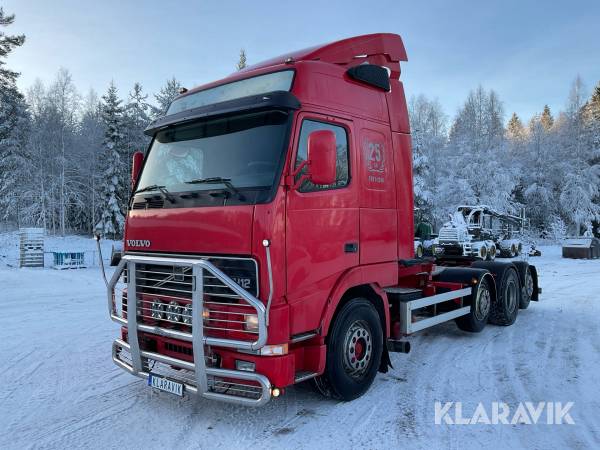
<point>14,121</point>
<point>7,45</point>
<point>242,61</point>
<point>111,219</point>
<point>591,125</point>
<point>166,95</point>
<point>546,118</point>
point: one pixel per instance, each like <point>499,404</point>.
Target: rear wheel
<point>483,252</point>
<point>527,290</point>
<point>354,350</point>
<point>505,308</point>
<point>480,309</point>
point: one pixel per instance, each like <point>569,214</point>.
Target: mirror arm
<point>297,170</point>
<point>304,177</point>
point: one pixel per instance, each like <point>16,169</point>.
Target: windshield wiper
<point>225,181</point>
<point>155,187</point>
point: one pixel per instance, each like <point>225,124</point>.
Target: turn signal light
<point>274,350</point>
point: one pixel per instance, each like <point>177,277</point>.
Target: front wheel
<point>354,349</point>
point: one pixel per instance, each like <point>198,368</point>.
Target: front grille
<point>174,348</point>
<point>448,235</point>
<point>164,297</point>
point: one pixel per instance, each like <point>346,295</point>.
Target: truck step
<point>403,294</point>
<point>303,376</point>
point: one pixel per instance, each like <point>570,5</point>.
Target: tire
<point>482,254</point>
<point>476,320</point>
<point>491,256</point>
<point>506,307</point>
<point>527,289</point>
<point>419,252</point>
<point>356,331</point>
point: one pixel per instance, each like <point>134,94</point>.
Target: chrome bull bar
<point>196,337</point>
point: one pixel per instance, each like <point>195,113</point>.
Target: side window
<point>342,170</point>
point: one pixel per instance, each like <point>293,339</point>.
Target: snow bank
<point>60,388</point>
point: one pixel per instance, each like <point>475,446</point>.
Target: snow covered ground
<point>60,388</point>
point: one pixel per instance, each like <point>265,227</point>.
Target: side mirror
<point>136,167</point>
<point>321,156</point>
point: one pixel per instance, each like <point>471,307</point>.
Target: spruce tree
<point>166,95</point>
<point>137,117</point>
<point>14,120</point>
<point>546,118</point>
<point>7,45</point>
<point>515,129</point>
<point>111,189</point>
<point>242,61</point>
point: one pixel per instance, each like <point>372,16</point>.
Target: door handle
<point>351,247</point>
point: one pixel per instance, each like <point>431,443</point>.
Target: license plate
<point>166,385</point>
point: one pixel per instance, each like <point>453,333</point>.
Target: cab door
<point>322,224</point>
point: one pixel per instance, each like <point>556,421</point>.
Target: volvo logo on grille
<point>138,242</point>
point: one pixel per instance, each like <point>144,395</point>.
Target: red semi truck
<point>269,238</point>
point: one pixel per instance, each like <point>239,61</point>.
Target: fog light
<point>275,392</point>
<point>246,366</point>
<point>186,315</point>
<point>157,309</point>
<point>251,322</point>
<point>173,312</point>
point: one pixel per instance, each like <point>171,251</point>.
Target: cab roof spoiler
<point>382,49</point>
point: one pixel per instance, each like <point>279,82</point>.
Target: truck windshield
<point>246,150</point>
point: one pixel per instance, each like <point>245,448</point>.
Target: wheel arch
<point>345,292</point>
<point>498,270</point>
<point>371,292</point>
<point>466,275</point>
<point>522,267</point>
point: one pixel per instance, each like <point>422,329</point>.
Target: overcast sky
<point>529,52</point>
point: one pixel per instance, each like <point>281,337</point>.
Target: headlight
<point>157,309</point>
<point>251,322</point>
<point>173,312</point>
